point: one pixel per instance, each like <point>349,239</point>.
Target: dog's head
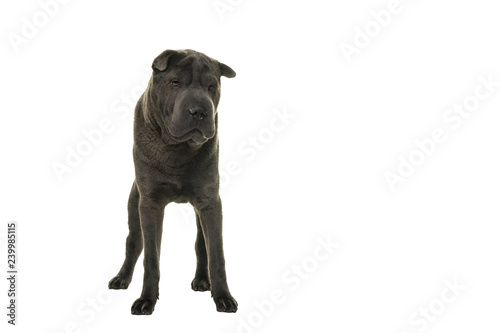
<point>185,88</point>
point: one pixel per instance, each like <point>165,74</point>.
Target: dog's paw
<point>226,304</point>
<point>118,282</point>
<point>200,284</point>
<point>143,307</point>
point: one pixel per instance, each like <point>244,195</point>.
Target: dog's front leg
<point>151,215</point>
<point>210,213</point>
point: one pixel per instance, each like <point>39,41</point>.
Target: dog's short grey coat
<point>176,153</point>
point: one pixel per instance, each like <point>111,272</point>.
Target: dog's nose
<point>198,112</point>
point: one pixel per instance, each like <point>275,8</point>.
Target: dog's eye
<point>211,87</point>
<point>175,83</point>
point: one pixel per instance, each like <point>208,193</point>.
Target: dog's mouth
<point>196,136</point>
<point>193,137</point>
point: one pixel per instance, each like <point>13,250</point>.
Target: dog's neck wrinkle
<point>150,102</point>
<point>156,128</point>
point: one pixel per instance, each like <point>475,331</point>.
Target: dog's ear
<point>226,71</point>
<point>161,61</point>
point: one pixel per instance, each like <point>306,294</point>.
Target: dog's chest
<point>175,188</point>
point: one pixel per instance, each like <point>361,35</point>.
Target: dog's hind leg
<point>134,243</point>
<point>201,281</point>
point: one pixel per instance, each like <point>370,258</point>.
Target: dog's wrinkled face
<point>186,85</point>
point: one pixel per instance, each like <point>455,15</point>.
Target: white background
<point>321,176</point>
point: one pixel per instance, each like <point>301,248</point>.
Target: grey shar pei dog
<point>176,152</point>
